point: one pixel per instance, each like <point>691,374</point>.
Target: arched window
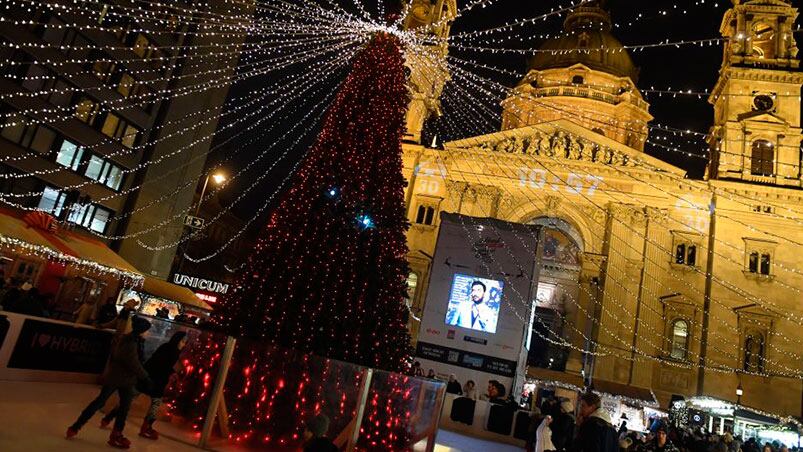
<point>763,40</point>
<point>680,339</point>
<point>412,285</point>
<point>598,130</point>
<point>680,254</point>
<point>754,352</point>
<point>762,158</point>
<point>752,262</point>
<point>578,80</point>
<point>425,215</point>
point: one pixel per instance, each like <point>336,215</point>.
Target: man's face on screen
<point>477,294</point>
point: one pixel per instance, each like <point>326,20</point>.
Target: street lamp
<point>739,393</point>
<point>218,178</point>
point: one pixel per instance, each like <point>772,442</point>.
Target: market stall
<point>159,298</point>
<point>636,406</point>
<point>719,416</point>
<point>65,267</point>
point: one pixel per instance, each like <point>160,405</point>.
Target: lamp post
<point>739,392</point>
<point>218,178</point>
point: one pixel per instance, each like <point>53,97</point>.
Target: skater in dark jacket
<point>595,432</point>
<point>160,366</point>
<point>122,372</point>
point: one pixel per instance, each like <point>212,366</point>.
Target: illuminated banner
<point>60,347</point>
<point>468,360</point>
<point>478,302</point>
<point>196,283</point>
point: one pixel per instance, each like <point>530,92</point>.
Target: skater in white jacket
<point>543,439</point>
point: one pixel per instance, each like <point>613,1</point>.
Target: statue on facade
<point>617,158</point>
<point>545,147</point>
<point>533,144</point>
<point>517,146</point>
<point>574,148</point>
<point>559,145</point>
<point>586,150</point>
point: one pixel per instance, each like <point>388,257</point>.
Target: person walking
<point>543,438</point>
<point>595,432</point>
<point>122,323</point>
<point>160,366</point>
<point>563,426</point>
<point>661,442</point>
<point>123,370</point>
<point>86,313</point>
<point>107,312</point>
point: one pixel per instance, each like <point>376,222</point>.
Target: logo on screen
<point>474,303</point>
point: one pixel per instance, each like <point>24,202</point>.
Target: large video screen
<point>474,303</point>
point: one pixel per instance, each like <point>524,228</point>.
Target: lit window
<point>94,168</point>
<point>680,336</point>
<point>86,110</point>
<point>102,68</point>
<point>142,46</point>
<point>78,213</point>
<point>412,284</point>
<point>129,138</point>
<point>762,158</point>
<point>100,220</point>
<point>126,85</point>
<point>110,125</point>
<point>115,177</point>
<point>69,155</point>
<point>51,202</point>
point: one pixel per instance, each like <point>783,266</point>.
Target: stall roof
<point>747,414</point>
<point>163,289</point>
<point>628,394</point>
<point>38,232</point>
<point>635,393</point>
<point>94,250</point>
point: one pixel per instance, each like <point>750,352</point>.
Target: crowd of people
<point>22,297</point>
<point>554,427</point>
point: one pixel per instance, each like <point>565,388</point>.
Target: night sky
<point>687,67</point>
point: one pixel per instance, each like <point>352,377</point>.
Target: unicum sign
<point>196,283</point>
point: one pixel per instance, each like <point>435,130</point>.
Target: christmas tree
<point>329,274</point>
<point>328,277</point>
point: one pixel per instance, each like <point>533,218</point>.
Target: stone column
<point>654,261</point>
<point>623,248</point>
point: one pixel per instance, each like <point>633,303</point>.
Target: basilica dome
<point>587,27</point>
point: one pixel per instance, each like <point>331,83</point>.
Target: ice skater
<point>123,370</point>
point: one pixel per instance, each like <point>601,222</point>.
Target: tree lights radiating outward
<point>328,275</point>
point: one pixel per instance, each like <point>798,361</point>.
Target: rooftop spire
<point>591,15</point>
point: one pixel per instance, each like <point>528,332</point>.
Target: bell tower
<point>756,135</point>
<point>431,21</point>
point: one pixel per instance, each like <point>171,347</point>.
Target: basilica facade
<point>649,279</point>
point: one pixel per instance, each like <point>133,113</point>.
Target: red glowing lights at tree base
<point>328,277</point>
